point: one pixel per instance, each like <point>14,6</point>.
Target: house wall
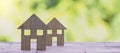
<point>41,40</point>
<point>60,39</point>
<point>25,41</point>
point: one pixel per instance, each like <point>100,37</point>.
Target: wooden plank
<point>81,47</point>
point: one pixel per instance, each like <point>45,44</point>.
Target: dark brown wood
<point>55,25</point>
<point>25,43</point>
<point>49,40</point>
<point>33,24</point>
<point>41,45</point>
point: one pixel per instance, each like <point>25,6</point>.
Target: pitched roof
<point>33,23</point>
<point>55,24</point>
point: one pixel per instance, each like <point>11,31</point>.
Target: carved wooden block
<point>33,24</point>
<point>55,25</point>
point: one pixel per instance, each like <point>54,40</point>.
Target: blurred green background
<point>85,20</point>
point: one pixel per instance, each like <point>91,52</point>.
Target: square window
<point>59,31</point>
<point>27,32</point>
<point>40,32</point>
<point>49,31</point>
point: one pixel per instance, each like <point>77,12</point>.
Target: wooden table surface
<point>73,47</point>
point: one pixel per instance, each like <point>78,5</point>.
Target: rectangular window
<point>27,32</point>
<point>59,31</point>
<point>40,32</point>
<point>49,31</point>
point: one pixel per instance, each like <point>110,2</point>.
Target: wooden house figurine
<point>34,25</point>
<point>55,26</point>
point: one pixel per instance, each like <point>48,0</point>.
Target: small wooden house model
<point>55,26</point>
<point>34,25</point>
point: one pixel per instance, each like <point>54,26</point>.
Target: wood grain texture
<point>78,47</point>
<point>49,40</point>
<point>55,25</point>
<point>33,24</point>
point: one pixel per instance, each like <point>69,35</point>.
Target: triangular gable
<point>33,23</point>
<point>55,24</point>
